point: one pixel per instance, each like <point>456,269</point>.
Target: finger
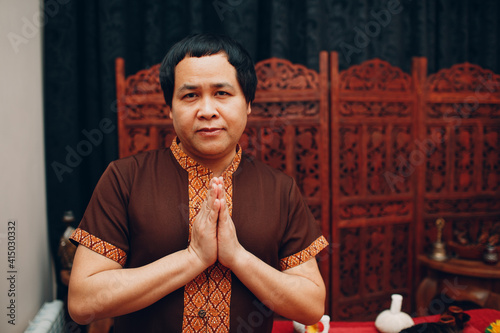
<point>221,194</point>
<point>211,195</point>
<point>214,213</point>
<point>223,211</point>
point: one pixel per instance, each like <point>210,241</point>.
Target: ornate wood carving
<point>400,252</point>
<point>460,124</point>
<point>349,160</point>
<point>375,76</point>
<point>370,210</point>
<point>405,150</point>
<point>284,110</point>
<point>373,132</point>
<point>375,109</point>
<point>308,162</point>
<point>349,258</point>
<point>490,178</point>
<point>144,82</point>
<point>435,178</point>
<point>139,140</point>
<point>281,74</point>
<point>465,78</point>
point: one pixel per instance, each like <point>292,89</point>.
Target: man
<point>198,237</point>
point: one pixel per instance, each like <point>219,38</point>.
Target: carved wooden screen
<point>373,128</point>
<point>460,136</point>
<point>143,119</point>
<point>287,128</point>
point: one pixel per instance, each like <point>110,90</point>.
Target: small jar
<point>490,255</point>
<point>448,320</point>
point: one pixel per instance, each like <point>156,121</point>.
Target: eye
<point>189,96</point>
<point>222,93</point>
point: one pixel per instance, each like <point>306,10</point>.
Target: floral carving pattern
<point>139,140</point>
<point>144,82</point>
<point>273,147</point>
<point>374,246</point>
<point>147,111</point>
<point>375,76</point>
<point>454,206</point>
<point>491,159</point>
<point>283,110</point>
<point>376,159</point>
<point>279,74</point>
<point>349,262</point>
<point>375,210</point>
<point>349,160</point>
<point>375,109</point>
<point>401,147</point>
<point>435,177</point>
<point>307,161</point>
<point>464,77</point>
<point>464,159</point>
<point>399,256</point>
<point>458,112</point>
<point>248,142</point>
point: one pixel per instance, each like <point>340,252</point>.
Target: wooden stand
<point>457,279</point>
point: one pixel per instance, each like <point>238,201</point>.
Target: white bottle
<point>393,320</point>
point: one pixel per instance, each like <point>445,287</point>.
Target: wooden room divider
<point>374,112</point>
<point>459,136</point>
<point>378,154</point>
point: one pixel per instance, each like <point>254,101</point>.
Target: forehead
<point>212,67</point>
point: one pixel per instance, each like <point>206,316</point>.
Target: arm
<point>100,288</point>
<point>297,293</point>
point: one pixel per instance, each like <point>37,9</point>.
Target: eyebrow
<point>188,86</point>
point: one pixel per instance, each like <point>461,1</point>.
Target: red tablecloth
<point>479,320</point>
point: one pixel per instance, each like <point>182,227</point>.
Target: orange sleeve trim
<point>301,257</point>
<point>98,245</point>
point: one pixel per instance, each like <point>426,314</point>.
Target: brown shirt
<point>141,211</point>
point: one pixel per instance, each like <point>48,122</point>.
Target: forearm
<point>116,292</point>
<point>294,296</point>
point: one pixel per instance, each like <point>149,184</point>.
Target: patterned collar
<point>187,163</point>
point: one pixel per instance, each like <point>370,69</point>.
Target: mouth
<point>210,130</point>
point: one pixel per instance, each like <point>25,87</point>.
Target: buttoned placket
<point>213,286</point>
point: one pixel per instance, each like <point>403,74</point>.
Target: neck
<point>216,165</point>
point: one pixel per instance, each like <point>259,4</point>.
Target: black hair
<point>200,45</point>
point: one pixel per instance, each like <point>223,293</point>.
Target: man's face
<point>209,109</point>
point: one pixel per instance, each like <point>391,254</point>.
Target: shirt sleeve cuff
<point>301,257</point>
<point>96,244</point>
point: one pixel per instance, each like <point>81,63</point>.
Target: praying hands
<point>213,233</point>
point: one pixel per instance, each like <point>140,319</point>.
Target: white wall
<point>22,173</point>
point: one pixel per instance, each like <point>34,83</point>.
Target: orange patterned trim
<point>207,297</point>
<point>98,245</point>
<point>188,163</point>
<point>301,257</point>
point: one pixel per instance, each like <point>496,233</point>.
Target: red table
<point>479,320</point>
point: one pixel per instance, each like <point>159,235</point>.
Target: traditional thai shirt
<point>143,207</point>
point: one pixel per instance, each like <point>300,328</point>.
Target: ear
<point>170,112</point>
<point>249,108</point>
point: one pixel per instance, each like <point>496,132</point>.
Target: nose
<point>207,108</point>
